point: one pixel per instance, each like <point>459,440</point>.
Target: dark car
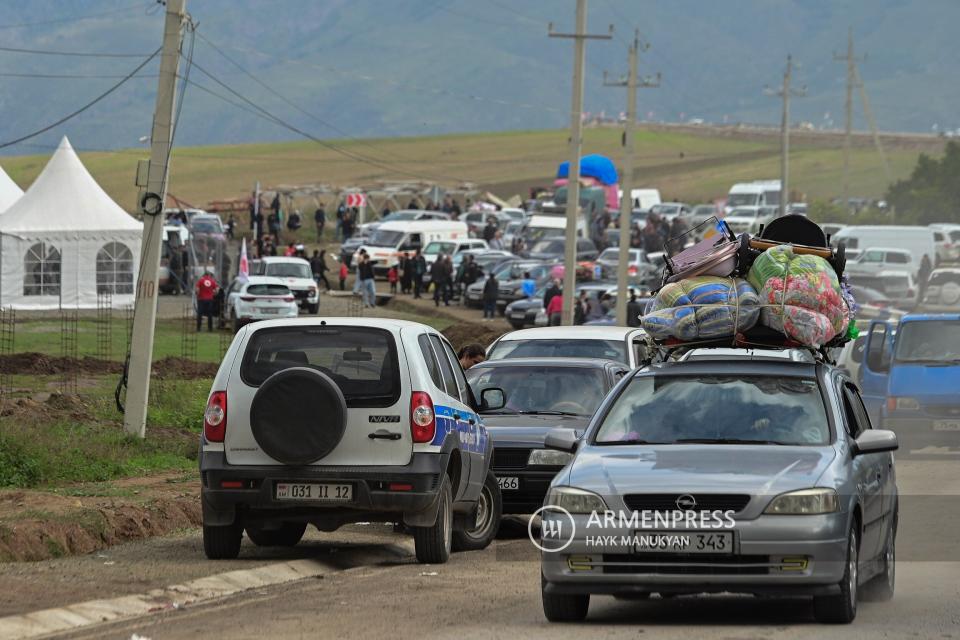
<point>553,249</point>
<point>511,288</point>
<point>541,393</point>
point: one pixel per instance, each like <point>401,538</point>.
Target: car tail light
<point>632,270</point>
<point>288,298</point>
<point>215,417</point>
<point>247,298</point>
<point>891,403</point>
<point>423,424</point>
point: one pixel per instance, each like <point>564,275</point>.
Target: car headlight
<point>575,500</point>
<point>805,502</point>
<point>548,458</point>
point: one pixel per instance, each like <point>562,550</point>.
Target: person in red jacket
<point>555,310</point>
<point>206,299</point>
<point>392,278</point>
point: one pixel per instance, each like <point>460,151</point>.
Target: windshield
<point>559,348</point>
<point>929,341</point>
<point>205,226</point>
<point>384,238</point>
<point>717,409</point>
<point>440,247</point>
<point>772,197</point>
<point>548,246</point>
<point>743,199</point>
<point>546,389</point>
<point>288,270</point>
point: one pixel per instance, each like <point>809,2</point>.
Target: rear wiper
<point>548,413</point>
<point>726,441</point>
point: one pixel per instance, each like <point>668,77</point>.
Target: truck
<point>910,377</point>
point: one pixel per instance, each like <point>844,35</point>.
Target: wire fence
<point>69,320</point>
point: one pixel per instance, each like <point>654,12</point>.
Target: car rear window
<point>268,290</point>
<point>717,409</point>
<point>542,390</point>
<point>362,361</point>
<point>559,348</point>
<point>288,270</point>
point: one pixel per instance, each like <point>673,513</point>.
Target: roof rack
<point>757,338</point>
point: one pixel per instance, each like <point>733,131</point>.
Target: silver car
<point>745,475</point>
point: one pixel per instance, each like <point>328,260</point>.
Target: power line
<point>73,54</point>
<point>84,107</point>
<point>88,16</point>
<point>69,76</point>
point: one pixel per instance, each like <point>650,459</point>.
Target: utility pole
<point>151,206</point>
<point>851,61</point>
<point>868,112</point>
<point>576,143</point>
<point>786,92</point>
<point>631,82</point>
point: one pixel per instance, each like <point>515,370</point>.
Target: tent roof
<point>9,191</point>
<point>65,197</point>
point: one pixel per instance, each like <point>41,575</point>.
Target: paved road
<point>370,587</point>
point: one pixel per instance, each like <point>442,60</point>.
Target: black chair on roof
<point>795,229</point>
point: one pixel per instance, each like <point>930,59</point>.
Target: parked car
<point>477,220</point>
<point>507,270</point>
<point>296,274</point>
<point>896,285</point>
<point>258,298</point>
<point>749,219</point>
<point>400,439</point>
<point>207,224</point>
<point>402,215</point>
<point>543,393</point>
<point>622,344</point>
<point>511,287</point>
<point>553,249</point>
<point>947,239</point>
<point>671,210</point>
<point>639,269</point>
<point>761,476</point>
<point>450,248</point>
<point>943,290</point>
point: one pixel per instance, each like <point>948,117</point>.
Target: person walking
<point>923,275</point>
<point>347,225</point>
<point>368,288</point>
<point>406,273</point>
<point>490,289</point>
<point>344,271</point>
<point>419,269</point>
<point>392,278</point>
<point>341,210</point>
<point>555,310</point>
<point>320,221</point>
<point>206,299</point>
<point>634,310</point>
<point>552,291</point>
<point>528,285</point>
<point>439,279</point>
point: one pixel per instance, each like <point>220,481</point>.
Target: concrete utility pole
<point>851,61</point>
<point>576,143</point>
<point>626,179</point>
<point>151,206</point>
<point>868,112</point>
<point>786,92</point>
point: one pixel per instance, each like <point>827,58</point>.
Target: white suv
<point>296,274</point>
<point>339,420</point>
<point>259,298</point>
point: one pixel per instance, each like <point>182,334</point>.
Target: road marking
<point>75,616</point>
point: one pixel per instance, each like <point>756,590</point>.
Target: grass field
<point>687,164</point>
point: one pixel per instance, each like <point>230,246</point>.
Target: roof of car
<point>578,332</point>
<point>318,321</point>
<point>264,280</point>
<point>283,259</point>
<point>592,363</point>
<point>733,365</point>
<point>890,249</point>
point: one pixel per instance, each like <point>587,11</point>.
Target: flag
<point>243,269</point>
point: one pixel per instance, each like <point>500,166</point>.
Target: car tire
<point>881,587</point>
<point>222,542</point>
<point>841,608</point>
<point>288,535</point>
<point>563,607</point>
<point>434,543</point>
<point>487,522</point>
<point>313,309</point>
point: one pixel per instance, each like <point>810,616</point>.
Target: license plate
<point>318,492</point>
<point>684,542</point>
<point>509,484</point>
<point>946,425</point>
<point>518,316</point>
<point>269,310</point>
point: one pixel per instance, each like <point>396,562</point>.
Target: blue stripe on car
<point>473,437</point>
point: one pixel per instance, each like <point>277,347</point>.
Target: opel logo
<point>686,502</point>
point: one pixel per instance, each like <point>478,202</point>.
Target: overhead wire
<point>72,54</point>
<point>88,16</point>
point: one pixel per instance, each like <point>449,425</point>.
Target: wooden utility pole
<point>786,92</point>
<point>631,82</point>
<point>151,206</point>
<point>868,112</point>
<point>576,144</point>
<point>851,61</point>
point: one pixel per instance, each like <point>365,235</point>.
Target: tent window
<point>42,270</point>
<point>114,269</point>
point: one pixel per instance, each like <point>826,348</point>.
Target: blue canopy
<point>592,166</point>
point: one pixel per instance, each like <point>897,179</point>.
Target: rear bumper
<point>372,497</point>
<point>921,435</point>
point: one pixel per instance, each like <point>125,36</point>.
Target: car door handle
<point>383,434</point>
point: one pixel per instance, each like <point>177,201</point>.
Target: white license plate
<point>509,484</point>
<point>946,425</point>
<point>684,542</point>
<point>518,316</point>
<point>318,492</point>
<point>268,310</point>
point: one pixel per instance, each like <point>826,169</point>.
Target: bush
<point>18,467</point>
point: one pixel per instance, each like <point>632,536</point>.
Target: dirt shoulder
<point>77,519</point>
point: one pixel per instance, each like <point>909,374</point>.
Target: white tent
<point>65,241</point>
<point>9,191</point>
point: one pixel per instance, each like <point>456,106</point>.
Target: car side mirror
<point>492,398</point>
<point>562,440</point>
<point>875,441</point>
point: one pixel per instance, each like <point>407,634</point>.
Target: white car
<point>943,291</point>
<point>749,219</point>
<point>338,420</point>
<point>259,298</point>
<point>296,274</point>
<point>621,344</point>
<point>946,237</point>
<point>873,260</point>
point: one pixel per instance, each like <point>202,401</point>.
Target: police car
<point>339,420</point>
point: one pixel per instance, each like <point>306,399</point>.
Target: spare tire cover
<point>298,416</point>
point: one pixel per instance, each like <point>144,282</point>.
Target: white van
<point>543,226</point>
<point>435,248</point>
<point>917,240</point>
<point>642,198</point>
<point>758,193</point>
<point>392,239</point>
